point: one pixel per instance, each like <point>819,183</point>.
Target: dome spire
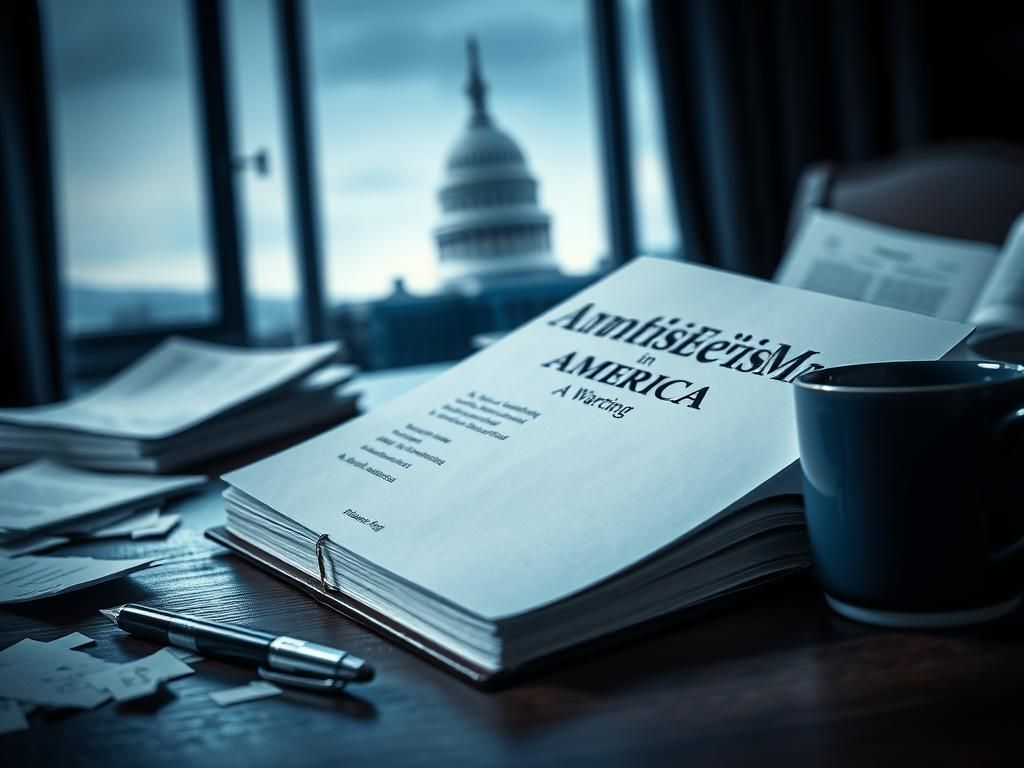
<point>476,88</point>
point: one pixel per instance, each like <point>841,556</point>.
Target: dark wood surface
<point>775,676</point>
<point>772,679</point>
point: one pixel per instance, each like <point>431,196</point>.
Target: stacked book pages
<point>629,453</point>
<point>182,403</point>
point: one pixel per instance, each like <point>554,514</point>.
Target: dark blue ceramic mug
<point>913,478</point>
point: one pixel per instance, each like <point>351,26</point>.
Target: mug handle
<point>1012,555</point>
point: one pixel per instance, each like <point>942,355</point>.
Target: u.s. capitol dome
<point>491,226</point>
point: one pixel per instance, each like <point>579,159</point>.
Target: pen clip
<point>305,682</point>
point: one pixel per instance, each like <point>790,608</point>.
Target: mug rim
<point>802,383</point>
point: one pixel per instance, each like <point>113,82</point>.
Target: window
<point>262,169</point>
<point>389,80</point>
<point>657,232</point>
<point>131,212</point>
<point>455,168</point>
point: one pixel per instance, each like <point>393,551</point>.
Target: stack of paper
<point>43,505</point>
<point>184,402</point>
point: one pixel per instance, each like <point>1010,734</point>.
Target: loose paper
<point>31,543</point>
<point>163,525</point>
<point>12,717</point>
<point>51,676</point>
<point>140,678</point>
<point>259,689</point>
<point>125,527</point>
<point>1001,304</point>
<point>84,526</point>
<point>72,641</point>
<point>187,656</point>
<point>46,494</point>
<point>32,577</point>
<point>142,525</point>
<point>857,259</point>
<point>178,385</point>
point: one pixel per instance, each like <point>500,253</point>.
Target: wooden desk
<point>775,679</point>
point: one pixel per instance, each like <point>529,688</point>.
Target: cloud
<point>527,52</point>
<point>375,179</point>
<point>96,44</point>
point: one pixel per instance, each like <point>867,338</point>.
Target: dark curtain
<point>30,336</point>
<point>753,92</point>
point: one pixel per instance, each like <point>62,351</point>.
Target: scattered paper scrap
<point>31,577</point>
<point>29,544</point>
<point>189,657</point>
<point>146,524</point>
<point>12,717</point>
<point>258,689</point>
<point>83,527</point>
<point>33,673</point>
<point>30,652</point>
<point>72,641</point>
<point>136,679</point>
<point>44,493</point>
<point>164,525</point>
<point>127,526</point>
<point>51,676</point>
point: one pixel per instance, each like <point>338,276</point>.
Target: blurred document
<point>31,577</point>
<point>178,385</point>
<point>28,544</point>
<point>1001,304</point>
<point>44,493</point>
<point>50,675</point>
<point>140,678</point>
<point>857,259</point>
<point>142,525</point>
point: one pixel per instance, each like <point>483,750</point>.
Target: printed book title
<point>744,353</point>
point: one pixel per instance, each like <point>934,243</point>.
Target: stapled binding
<point>320,562</point>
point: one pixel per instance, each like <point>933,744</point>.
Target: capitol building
<point>494,256</point>
<point>492,228</point>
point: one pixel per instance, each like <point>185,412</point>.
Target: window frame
<point>96,355</point>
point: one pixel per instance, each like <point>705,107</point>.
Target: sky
<point>387,82</point>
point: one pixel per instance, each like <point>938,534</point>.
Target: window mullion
<point>215,117</point>
<point>608,60</point>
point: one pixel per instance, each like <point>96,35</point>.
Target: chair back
<point>968,190</point>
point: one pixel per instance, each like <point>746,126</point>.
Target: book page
<point>179,384</point>
<point>857,259</point>
<point>587,440</point>
<point>1001,304</point>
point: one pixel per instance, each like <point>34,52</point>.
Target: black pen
<point>279,659</point>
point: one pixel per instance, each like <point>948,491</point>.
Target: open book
<point>607,463</point>
<point>943,277</point>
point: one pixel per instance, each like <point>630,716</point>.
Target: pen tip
<point>112,613</point>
